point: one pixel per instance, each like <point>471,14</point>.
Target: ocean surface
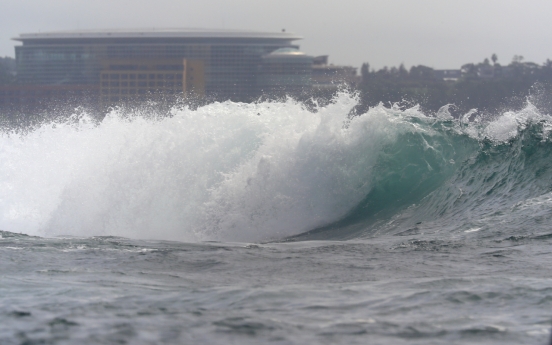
<point>277,222</point>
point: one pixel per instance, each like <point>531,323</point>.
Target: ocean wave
<point>270,170</point>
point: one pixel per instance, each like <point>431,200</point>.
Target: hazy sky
<point>436,33</point>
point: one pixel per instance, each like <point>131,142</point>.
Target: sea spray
<point>223,171</point>
<point>234,171</point>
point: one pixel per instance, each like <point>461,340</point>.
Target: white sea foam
<point>509,124</point>
<point>225,171</point>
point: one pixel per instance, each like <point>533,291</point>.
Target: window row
<point>141,84</point>
<point>142,76</point>
<point>138,91</point>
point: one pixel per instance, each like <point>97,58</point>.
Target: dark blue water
<point>273,223</point>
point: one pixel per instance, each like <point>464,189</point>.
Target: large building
<point>116,67</point>
<point>122,64</point>
<point>285,71</point>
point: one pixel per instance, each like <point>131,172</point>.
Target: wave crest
<point>241,172</point>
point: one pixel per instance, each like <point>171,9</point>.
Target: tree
<point>517,59</point>
<point>365,71</point>
<point>421,72</point>
<point>403,73</point>
<point>7,70</point>
<point>469,70</point>
<point>383,73</point>
<point>507,86</point>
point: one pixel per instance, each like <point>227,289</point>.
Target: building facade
<point>285,71</point>
<point>124,64</point>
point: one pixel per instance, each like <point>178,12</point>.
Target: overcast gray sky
<point>436,33</point>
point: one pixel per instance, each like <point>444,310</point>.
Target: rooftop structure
<point>177,33</point>
<point>285,71</point>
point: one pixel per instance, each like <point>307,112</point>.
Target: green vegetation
<point>486,86</point>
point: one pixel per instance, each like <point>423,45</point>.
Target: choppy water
<point>274,223</point>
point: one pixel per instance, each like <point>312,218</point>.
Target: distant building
<point>486,72</point>
<point>125,80</point>
<point>285,71</point>
<point>448,74</point>
<point>118,65</point>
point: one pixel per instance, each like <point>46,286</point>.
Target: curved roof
<point>287,52</point>
<point>157,33</point>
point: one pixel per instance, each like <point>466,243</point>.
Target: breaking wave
<point>267,171</point>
